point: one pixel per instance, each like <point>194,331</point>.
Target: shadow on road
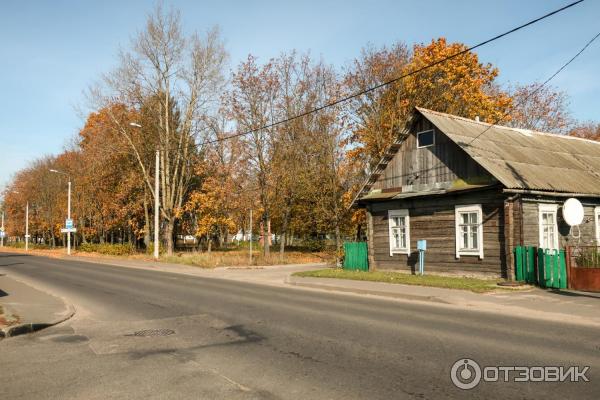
<point>245,335</point>
<point>9,264</point>
<point>14,255</point>
<point>590,295</point>
<point>3,293</point>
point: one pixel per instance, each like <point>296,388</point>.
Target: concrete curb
<point>31,327</point>
<point>307,282</point>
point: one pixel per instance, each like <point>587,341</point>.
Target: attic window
<point>425,139</point>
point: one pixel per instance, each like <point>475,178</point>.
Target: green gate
<point>525,258</point>
<point>543,267</point>
<point>355,256</point>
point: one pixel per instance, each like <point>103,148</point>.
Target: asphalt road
<point>234,340</point>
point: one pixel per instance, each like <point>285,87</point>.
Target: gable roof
<point>517,158</point>
<point>523,159</point>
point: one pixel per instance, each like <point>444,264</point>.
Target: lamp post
<point>156,197</point>
<point>68,207</point>
<point>2,230</point>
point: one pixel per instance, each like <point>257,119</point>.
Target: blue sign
<point>422,245</point>
<point>2,234</point>
<point>69,224</point>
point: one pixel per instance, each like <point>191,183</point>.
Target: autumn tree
<point>182,75</point>
<point>462,86</point>
<point>252,105</point>
<point>587,130</point>
<point>540,108</point>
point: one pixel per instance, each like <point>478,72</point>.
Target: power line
<point>373,88</point>
<point>506,114</point>
<point>509,111</point>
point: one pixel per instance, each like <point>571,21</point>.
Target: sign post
<point>422,246</point>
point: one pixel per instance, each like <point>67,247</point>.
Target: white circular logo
<point>465,374</point>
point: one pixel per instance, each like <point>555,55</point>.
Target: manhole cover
<point>153,332</point>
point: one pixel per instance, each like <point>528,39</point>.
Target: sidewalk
<point>27,309</point>
<point>564,306</point>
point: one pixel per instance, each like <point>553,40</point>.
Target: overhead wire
<point>391,81</point>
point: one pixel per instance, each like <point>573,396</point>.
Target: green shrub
<point>314,245</point>
<point>589,258</point>
<point>150,248</point>
<point>108,249</point>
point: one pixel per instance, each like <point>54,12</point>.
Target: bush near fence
<point>588,258</point>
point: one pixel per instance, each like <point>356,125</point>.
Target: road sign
<point>2,234</point>
<point>69,224</point>
<point>68,230</point>
<point>27,236</point>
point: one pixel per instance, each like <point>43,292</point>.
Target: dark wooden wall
<point>531,229</point>
<point>432,218</point>
<point>443,162</point>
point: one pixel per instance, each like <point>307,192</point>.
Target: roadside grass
<point>230,257</point>
<point>240,258</point>
<point>475,285</point>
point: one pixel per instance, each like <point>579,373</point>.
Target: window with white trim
<point>425,138</point>
<point>548,226</point>
<point>469,230</point>
<point>597,223</point>
<point>399,232</point>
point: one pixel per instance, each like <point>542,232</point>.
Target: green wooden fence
<point>542,267</point>
<point>355,256</point>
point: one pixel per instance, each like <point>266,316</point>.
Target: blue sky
<point>50,51</point>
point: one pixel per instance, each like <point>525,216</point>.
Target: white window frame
<point>468,208</point>
<point>597,224</point>
<point>399,213</point>
<point>544,209</point>
<point>429,145</point>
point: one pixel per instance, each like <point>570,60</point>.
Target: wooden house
<point>474,191</point>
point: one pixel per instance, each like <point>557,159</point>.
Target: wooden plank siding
<point>443,162</point>
<point>433,218</point>
<point>531,228</point>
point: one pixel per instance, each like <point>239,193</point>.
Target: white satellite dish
<point>572,212</point>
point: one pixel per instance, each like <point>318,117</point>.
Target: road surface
<point>222,339</point>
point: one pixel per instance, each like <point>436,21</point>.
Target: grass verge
<point>473,284</point>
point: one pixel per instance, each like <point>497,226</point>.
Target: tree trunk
<point>338,244</point>
<point>267,235</point>
<point>169,236</point>
<point>282,236</point>
<point>208,243</point>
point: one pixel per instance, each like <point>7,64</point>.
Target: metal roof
<point>523,159</point>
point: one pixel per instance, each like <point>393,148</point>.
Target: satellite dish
<point>572,212</point>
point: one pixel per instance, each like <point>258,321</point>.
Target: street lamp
<point>156,194</point>
<point>68,210</point>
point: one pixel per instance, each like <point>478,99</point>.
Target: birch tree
<point>180,79</point>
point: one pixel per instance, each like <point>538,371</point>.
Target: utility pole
<point>2,237</point>
<point>69,217</point>
<point>27,226</point>
<point>156,204</point>
<point>70,228</point>
<point>250,236</point>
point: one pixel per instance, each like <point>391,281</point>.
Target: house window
<point>425,138</point>
<point>399,234</point>
<point>597,220</point>
<point>469,230</point>
<point>548,226</point>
